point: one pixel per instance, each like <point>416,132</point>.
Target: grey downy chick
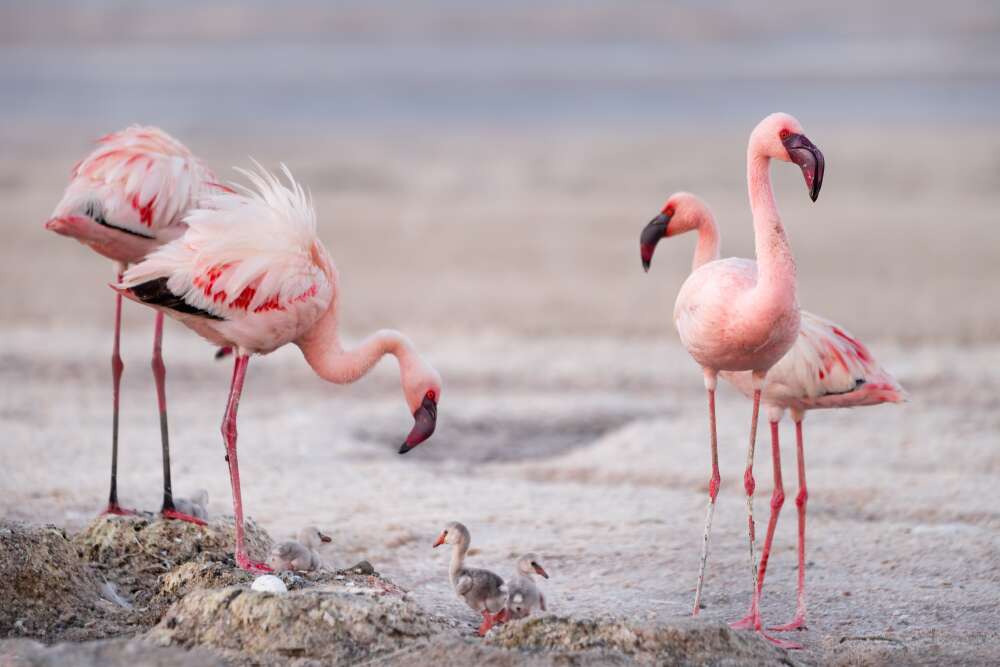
<point>301,555</point>
<point>523,595</point>
<point>482,590</point>
<point>196,505</point>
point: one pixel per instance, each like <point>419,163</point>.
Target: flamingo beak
<point>804,153</point>
<point>440,541</point>
<point>424,421</point>
<point>325,538</point>
<point>541,570</point>
<point>63,225</point>
<point>651,235</point>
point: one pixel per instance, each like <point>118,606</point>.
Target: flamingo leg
<point>168,511</point>
<point>713,490</point>
<point>229,435</point>
<point>116,379</point>
<point>799,622</point>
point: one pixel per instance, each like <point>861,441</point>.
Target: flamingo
<point>740,315</point>
<point>250,273</point>
<point>124,200</point>
<point>826,367</point>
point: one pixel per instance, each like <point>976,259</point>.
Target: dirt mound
<point>110,653</point>
<point>48,592</point>
<point>687,642</point>
<point>342,622</point>
<point>134,552</point>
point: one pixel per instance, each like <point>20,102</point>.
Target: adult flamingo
<point>250,273</point>
<point>740,315</point>
<point>825,368</point>
<point>124,200</point>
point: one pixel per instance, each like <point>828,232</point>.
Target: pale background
<point>482,172</point>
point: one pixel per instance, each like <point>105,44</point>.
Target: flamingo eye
<point>784,134</point>
<point>668,211</point>
<point>431,395</point>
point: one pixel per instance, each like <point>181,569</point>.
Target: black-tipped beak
<point>325,538</point>
<point>651,235</point>
<point>540,570</point>
<point>425,419</point>
<point>809,158</point>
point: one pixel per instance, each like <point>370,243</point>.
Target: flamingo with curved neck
<point>740,315</point>
<point>825,368</point>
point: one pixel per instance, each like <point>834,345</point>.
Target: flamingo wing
<point>244,254</point>
<point>140,181</point>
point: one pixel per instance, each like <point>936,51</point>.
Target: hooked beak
<point>809,158</point>
<point>425,419</point>
<point>325,538</point>
<point>651,235</point>
<point>439,542</point>
<point>541,570</point>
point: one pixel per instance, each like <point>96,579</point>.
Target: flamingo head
<point>780,136</point>
<point>453,533</point>
<point>682,213</point>
<point>530,564</point>
<point>422,390</point>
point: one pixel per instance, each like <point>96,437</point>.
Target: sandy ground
<point>572,423</point>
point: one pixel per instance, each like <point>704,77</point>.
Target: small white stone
<point>268,583</point>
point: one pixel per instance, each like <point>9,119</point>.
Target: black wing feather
<point>155,293</point>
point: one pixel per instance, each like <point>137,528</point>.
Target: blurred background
<point>482,171</point>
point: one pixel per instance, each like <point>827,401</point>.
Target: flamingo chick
<point>251,273</point>
<point>522,594</point>
<point>124,200</point>
<point>740,315</point>
<point>196,505</point>
<point>301,555</point>
<point>825,368</point>
<point>482,590</point>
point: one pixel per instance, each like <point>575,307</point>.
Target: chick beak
<point>325,538</point>
<point>541,570</point>
<point>440,541</point>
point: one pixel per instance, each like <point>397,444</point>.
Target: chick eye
<point>534,564</point>
<point>784,134</point>
<point>446,533</point>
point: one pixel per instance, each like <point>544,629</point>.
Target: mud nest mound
<point>107,653</point>
<point>338,622</point>
<point>48,592</point>
<point>134,552</point>
<point>686,642</point>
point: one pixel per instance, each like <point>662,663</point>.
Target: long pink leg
<point>168,511</point>
<point>799,622</point>
<point>229,435</point>
<point>713,489</point>
<point>116,379</point>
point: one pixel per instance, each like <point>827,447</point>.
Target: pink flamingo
<point>825,368</point>
<point>124,200</point>
<point>740,315</point>
<point>250,273</point>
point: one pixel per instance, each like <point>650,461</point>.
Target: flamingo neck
<point>457,560</point>
<point>707,248</point>
<point>323,351</point>
<point>775,263</point>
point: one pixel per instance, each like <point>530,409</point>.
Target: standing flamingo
<point>124,200</point>
<point>740,315</point>
<point>825,368</point>
<point>250,273</point>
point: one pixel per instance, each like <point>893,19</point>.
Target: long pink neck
<point>707,248</point>
<point>775,263</point>
<point>323,351</point>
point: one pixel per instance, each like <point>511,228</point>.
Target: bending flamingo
<point>124,200</point>
<point>251,273</point>
<point>825,368</point>
<point>740,315</point>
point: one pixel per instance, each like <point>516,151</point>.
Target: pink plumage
<point>128,196</point>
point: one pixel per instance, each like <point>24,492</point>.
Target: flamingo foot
<point>752,622</point>
<point>244,562</point>
<point>181,516</point>
<point>118,510</point>
<point>781,643</point>
<point>501,616</point>
<point>798,623</point>
<point>748,622</point>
